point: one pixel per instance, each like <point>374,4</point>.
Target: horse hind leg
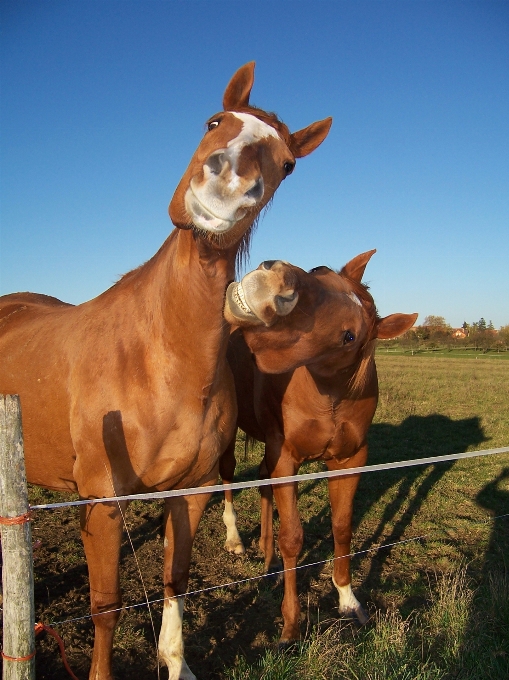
<point>267,544</point>
<point>227,466</point>
<point>233,541</point>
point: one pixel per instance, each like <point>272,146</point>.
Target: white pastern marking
<point>347,600</point>
<point>233,540</point>
<point>171,645</point>
<point>355,299</point>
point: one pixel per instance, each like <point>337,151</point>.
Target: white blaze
<point>355,299</point>
<point>253,130</point>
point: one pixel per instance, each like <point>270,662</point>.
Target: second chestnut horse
<point>310,394</point>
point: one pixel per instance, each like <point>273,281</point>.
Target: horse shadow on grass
<point>416,437</point>
<point>485,647</point>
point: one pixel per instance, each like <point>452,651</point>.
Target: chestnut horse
<point>311,395</point>
<point>131,392</point>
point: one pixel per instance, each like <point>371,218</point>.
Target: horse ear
<point>308,139</point>
<point>355,268</point>
<point>236,95</point>
<point>394,325</point>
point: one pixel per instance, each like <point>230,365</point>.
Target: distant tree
<point>481,335</point>
<point>503,335</point>
<point>410,340</point>
<point>422,332</point>
<point>434,321</point>
<point>435,331</point>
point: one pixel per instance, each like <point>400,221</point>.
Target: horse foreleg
<point>101,532</point>
<point>341,494</point>
<point>182,516</point>
<point>227,464</point>
<point>290,539</point>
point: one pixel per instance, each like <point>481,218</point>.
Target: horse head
<point>240,162</point>
<point>324,319</point>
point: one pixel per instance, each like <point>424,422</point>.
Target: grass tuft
<point>452,638</point>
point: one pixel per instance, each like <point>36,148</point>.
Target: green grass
<point>455,353</point>
<point>442,641</point>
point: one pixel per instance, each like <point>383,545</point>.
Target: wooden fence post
<point>17,574</point>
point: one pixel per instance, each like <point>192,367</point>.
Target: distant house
<point>458,333</point>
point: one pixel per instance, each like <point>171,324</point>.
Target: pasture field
<point>439,603</point>
<point>449,353</point>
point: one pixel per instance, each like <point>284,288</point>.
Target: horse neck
<point>334,385</point>
<point>178,295</point>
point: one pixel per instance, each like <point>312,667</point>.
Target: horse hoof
<point>235,548</point>
<point>358,615</point>
<point>289,646</point>
<point>274,568</point>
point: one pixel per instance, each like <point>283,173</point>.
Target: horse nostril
<point>268,264</point>
<point>256,191</point>
<point>215,162</point>
<point>289,296</point>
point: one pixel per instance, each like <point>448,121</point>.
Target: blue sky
<point>103,104</point>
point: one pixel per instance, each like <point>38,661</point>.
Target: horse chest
<point>197,433</point>
<point>320,431</point>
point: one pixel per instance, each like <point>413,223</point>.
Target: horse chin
<point>236,309</point>
<point>205,220</point>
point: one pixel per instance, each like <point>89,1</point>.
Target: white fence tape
<point>277,480</point>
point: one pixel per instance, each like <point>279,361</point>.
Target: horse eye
<point>213,124</point>
<point>349,337</point>
<point>288,167</point>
